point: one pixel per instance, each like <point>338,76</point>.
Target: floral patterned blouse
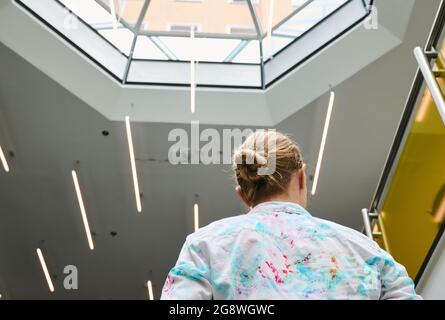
<point>279,251</point>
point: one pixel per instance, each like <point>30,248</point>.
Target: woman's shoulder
<point>226,227</point>
<point>353,237</point>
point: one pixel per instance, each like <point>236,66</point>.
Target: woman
<point>278,250</point>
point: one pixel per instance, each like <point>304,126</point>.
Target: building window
<point>183,27</point>
<point>244,1</point>
<point>242,30</point>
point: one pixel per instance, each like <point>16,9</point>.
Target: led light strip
<point>4,161</point>
<point>150,290</point>
<point>82,209</point>
<point>196,216</point>
<point>133,165</point>
<point>323,143</point>
<point>192,73</point>
<point>45,270</point>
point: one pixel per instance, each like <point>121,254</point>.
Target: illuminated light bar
<point>150,290</point>
<point>192,74</point>
<point>133,165</point>
<point>82,209</point>
<point>45,270</point>
<point>323,143</point>
<point>3,160</point>
<point>196,216</point>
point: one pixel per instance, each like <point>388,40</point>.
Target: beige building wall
<point>209,16</point>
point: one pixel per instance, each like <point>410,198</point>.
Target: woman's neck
<point>279,198</point>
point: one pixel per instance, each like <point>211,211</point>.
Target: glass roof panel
<point>281,9</point>
<point>250,53</point>
<point>271,45</point>
<point>221,17</point>
<point>121,38</point>
<point>148,48</point>
<point>226,35</point>
<point>200,49</point>
<point>309,16</point>
<point>89,11</point>
<point>85,38</point>
<point>126,11</point>
<point>98,18</point>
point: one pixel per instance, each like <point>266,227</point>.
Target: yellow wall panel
<point>414,208</point>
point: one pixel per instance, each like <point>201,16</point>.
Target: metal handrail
<point>367,223</point>
<point>430,80</point>
<point>368,220</point>
<point>424,73</point>
<point>410,105</point>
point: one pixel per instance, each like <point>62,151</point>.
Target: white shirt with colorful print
<point>279,251</point>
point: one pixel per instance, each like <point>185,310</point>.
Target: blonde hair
<point>256,154</point>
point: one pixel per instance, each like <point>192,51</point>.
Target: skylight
<point>237,43</point>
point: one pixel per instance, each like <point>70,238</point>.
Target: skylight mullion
<point>296,11</point>
<point>197,35</point>
<point>232,55</point>
<point>279,35</point>
<point>260,35</point>
<point>141,17</point>
<point>256,22</point>
<point>137,30</point>
<point>108,9</point>
<point>164,49</point>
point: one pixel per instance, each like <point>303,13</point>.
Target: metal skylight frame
<point>136,32</point>
<point>260,35</point>
<point>263,79</point>
<point>169,54</point>
<point>139,32</point>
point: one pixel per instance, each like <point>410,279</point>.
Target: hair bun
<point>269,151</point>
<point>248,162</point>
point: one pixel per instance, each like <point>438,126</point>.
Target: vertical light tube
<point>45,270</point>
<point>196,216</point>
<point>133,165</point>
<point>3,160</point>
<point>82,209</point>
<point>113,14</point>
<point>192,73</point>
<point>323,143</point>
<point>150,290</point>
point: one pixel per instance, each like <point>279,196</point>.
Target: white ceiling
<point>49,129</point>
